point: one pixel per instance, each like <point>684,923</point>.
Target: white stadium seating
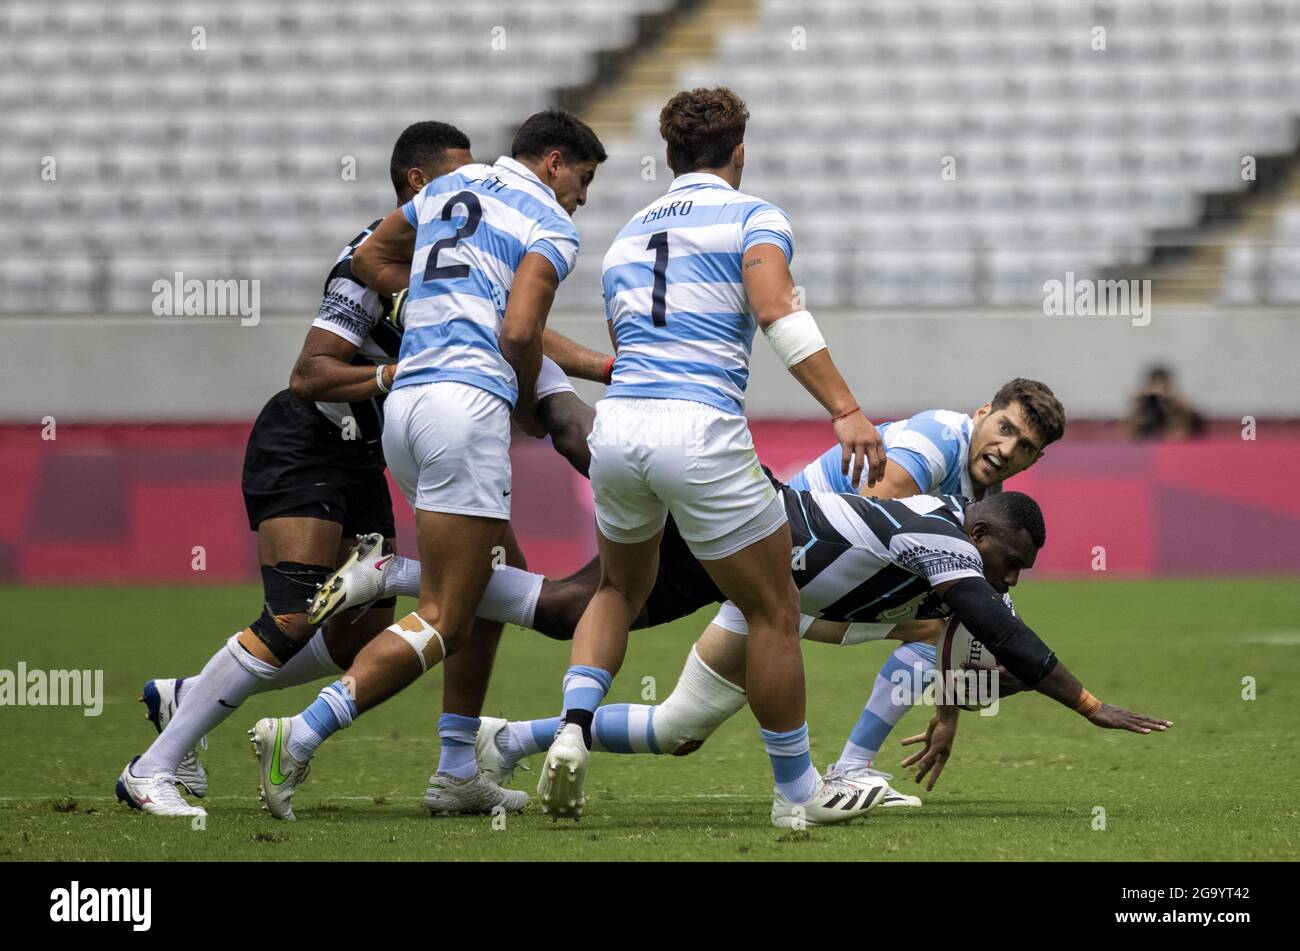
<point>230,158</point>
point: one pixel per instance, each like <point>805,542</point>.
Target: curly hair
<point>702,128</point>
<point>1041,407</point>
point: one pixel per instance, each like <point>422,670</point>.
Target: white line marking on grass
<point>1285,638</point>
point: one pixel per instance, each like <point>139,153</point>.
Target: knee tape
<point>289,585</point>
<point>418,633</point>
<point>700,703</point>
<point>268,631</point>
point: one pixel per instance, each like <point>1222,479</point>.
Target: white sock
<point>402,576</point>
<point>231,676</point>
<point>511,596</point>
<point>311,663</point>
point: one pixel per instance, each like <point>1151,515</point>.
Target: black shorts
<point>298,464</point>
<point>683,586</point>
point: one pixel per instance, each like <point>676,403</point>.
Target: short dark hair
<point>702,128</point>
<point>1043,410</point>
<point>419,145</point>
<point>1016,510</point>
<point>556,129</point>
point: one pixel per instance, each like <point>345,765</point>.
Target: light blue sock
<point>458,735</point>
<point>897,687</point>
<point>332,710</point>
<point>624,728</point>
<point>585,687</point>
<point>792,765</point>
<point>616,728</point>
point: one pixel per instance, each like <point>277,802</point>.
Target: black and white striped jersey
<point>873,561</point>
<point>358,315</point>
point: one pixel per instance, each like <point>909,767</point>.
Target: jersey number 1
<point>659,298</point>
<point>473,215</point>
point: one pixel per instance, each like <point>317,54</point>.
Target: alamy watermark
<point>180,297</point>
<point>974,686</point>
<point>1085,297</point>
<point>53,688</point>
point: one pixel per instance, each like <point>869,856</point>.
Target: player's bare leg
<point>295,554</point>
<point>457,787</point>
<point>757,580</point>
<point>599,646</point>
<point>450,589</point>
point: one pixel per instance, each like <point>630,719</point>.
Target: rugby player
<point>313,475</point>
<point>482,251</point>
<point>865,565</point>
<point>928,453</point>
<point>686,283</point>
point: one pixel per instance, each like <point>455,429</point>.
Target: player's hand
<point>938,738</point>
<point>1114,718</point>
<point>861,446</point>
<point>1009,684</point>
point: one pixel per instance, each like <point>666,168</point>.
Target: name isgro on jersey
<point>668,211</point>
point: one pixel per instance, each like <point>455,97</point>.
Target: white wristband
<point>795,337</point>
<point>379,379</point>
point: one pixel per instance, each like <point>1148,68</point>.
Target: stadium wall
<point>1231,362</point>
<point>161,503</point>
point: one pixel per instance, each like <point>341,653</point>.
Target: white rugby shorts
<point>650,457</point>
<point>447,445</point>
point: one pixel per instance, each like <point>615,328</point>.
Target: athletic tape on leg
<point>418,633</point>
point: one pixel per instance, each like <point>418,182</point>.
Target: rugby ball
<point>958,650</point>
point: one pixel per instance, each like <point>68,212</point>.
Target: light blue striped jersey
<point>673,290</point>
<point>473,227</point>
<point>933,447</point>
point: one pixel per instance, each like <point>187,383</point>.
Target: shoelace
<point>165,791</point>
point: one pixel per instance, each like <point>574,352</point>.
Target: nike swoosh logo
<point>229,706</point>
<point>379,565</point>
<point>505,493</point>
<point>277,778</point>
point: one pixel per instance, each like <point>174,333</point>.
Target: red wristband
<point>609,370</point>
<point>836,419</point>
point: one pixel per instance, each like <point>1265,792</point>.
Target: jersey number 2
<point>473,215</point>
<point>659,298</point>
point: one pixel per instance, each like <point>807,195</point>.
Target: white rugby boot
<point>358,581</point>
<point>478,795</point>
<point>836,800</point>
<point>159,699</point>
<point>155,795</point>
<point>892,799</point>
<point>279,773</point>
<point>491,760</point>
<point>563,775</point>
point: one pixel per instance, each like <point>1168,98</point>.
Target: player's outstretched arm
<point>522,330</point>
<point>383,262</point>
<point>575,359</point>
<point>1022,652</point>
<point>794,336</point>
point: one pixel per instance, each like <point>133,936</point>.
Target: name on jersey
<point>492,183</point>
<point>667,211</point>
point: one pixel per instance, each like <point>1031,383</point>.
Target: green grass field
<point>1022,785</point>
